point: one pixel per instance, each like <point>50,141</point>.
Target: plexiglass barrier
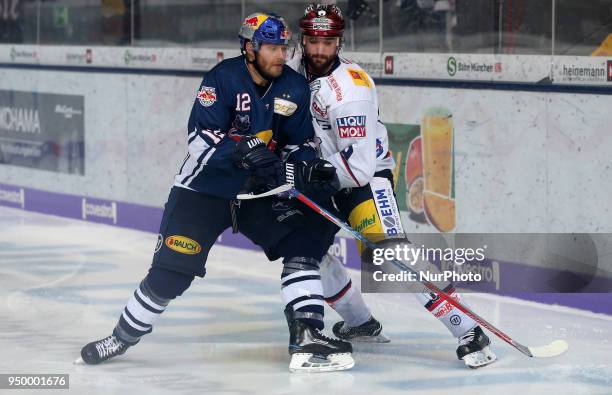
<point>558,27</point>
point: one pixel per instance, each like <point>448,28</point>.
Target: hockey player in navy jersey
<point>249,112</point>
<point>344,105</point>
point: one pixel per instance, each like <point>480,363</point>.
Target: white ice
<point>64,283</point>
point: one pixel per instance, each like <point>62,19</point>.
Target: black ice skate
<point>312,351</point>
<point>370,331</point>
<point>99,351</point>
<point>474,349</point>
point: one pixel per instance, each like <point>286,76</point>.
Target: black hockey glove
<point>251,153</point>
<point>315,178</point>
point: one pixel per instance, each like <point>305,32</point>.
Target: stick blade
<point>271,192</point>
<point>553,349</point>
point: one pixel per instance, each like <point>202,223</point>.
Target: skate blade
<point>79,361</point>
<point>480,358</point>
<point>308,363</point>
<point>380,338</point>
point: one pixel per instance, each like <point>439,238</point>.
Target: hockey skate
<point>370,332</point>
<point>474,349</point>
<point>312,351</point>
<point>99,351</point>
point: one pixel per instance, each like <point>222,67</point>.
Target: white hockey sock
<point>454,319</point>
<point>340,293</point>
<point>350,305</point>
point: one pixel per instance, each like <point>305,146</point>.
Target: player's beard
<point>319,64</point>
<point>268,71</point>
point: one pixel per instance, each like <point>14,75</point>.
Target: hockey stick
<point>552,349</point>
<point>272,192</point>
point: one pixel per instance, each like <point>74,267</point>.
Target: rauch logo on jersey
<point>207,96</point>
<point>353,126</point>
<point>183,244</point>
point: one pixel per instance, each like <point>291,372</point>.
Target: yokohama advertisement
<point>43,131</point>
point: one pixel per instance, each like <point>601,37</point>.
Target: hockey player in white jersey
<point>344,106</point>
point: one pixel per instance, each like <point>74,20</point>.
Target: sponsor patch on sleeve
<point>351,126</point>
<point>360,78</point>
<point>207,96</point>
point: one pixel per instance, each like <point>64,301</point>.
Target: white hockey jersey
<point>344,106</point>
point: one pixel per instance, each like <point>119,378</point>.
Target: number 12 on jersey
<point>243,102</point>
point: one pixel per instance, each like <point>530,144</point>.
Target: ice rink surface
<point>64,283</point>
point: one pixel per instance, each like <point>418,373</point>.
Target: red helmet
<point>322,20</point>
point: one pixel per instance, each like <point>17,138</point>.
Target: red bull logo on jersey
<point>183,244</point>
<point>351,127</point>
<point>207,96</point>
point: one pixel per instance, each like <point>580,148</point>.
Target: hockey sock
<point>301,289</point>
<point>147,303</point>
<point>454,319</point>
<point>340,293</point>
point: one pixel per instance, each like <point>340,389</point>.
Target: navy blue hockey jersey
<point>227,104</point>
